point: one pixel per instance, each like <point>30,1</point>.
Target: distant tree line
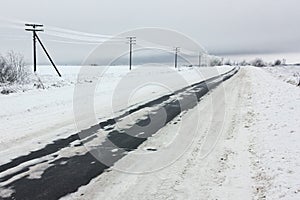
<point>257,62</point>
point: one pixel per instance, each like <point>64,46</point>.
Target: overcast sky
<point>223,27</point>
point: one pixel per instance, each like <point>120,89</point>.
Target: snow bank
<point>289,74</point>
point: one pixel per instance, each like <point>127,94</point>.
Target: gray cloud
<point>223,27</point>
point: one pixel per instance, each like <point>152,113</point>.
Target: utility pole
<point>177,50</point>
<point>132,40</point>
<point>34,28</point>
<point>199,59</point>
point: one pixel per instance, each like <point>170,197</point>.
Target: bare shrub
<point>258,62</point>
<point>277,62</point>
<point>13,69</point>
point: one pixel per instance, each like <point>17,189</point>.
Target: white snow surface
<point>257,154</point>
<point>289,74</point>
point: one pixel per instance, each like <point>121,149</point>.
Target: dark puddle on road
<point>65,175</point>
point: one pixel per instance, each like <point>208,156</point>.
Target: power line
<point>82,38</point>
<point>87,37</point>
<point>72,42</point>
<point>74,37</point>
<point>80,33</point>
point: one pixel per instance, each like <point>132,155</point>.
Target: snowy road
<point>256,155</point>
<point>64,165</point>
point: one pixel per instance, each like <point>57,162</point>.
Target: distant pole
<point>132,40</point>
<point>177,49</point>
<point>199,59</point>
<point>34,30</point>
<point>34,51</point>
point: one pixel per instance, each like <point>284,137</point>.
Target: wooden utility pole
<point>34,28</point>
<point>132,41</point>
<point>177,49</point>
<point>199,59</point>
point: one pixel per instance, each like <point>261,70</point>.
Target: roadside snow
<point>289,74</point>
<point>275,137</point>
<point>46,75</point>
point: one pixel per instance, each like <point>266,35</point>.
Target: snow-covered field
<point>256,155</point>
<point>289,74</point>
